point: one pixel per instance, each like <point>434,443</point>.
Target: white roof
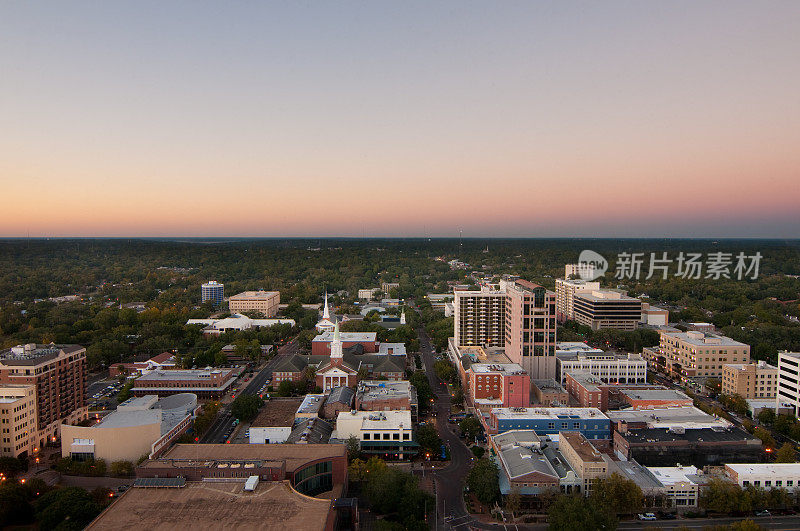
<point>238,322</point>
<point>399,349</point>
<point>761,469</point>
<point>704,339</point>
<point>347,336</point>
<point>688,417</point>
<point>380,420</point>
<point>506,368</point>
<point>669,475</point>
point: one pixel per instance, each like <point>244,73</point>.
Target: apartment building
<point>550,420</point>
<point>264,302</point>
<point>789,381</point>
<point>750,380</point>
<point>588,463</point>
<point>18,423</point>
<point>692,354</point>
<point>212,291</point>
<point>530,328</point>
<point>584,270</point>
<point>58,373</point>
<point>480,318</point>
<point>566,289</point>
<point>599,309</point>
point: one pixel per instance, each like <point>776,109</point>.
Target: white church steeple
<point>403,318</point>
<point>336,344</point>
<point>326,313</point>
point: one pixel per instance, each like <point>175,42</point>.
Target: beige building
<point>602,308</point>
<point>584,458</point>
<point>17,420</point>
<point>692,354</point>
<point>480,318</point>
<point>265,302</point>
<point>750,380</point>
<point>565,295</point>
<point>139,426</point>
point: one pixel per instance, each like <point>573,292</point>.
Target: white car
<point>647,516</point>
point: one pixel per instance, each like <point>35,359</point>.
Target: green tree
<point>766,416</point>
<point>66,508</point>
<point>121,468</point>
<point>766,437</point>
<point>125,393</point>
<point>514,501</point>
<point>10,466</point>
<point>786,454</point>
<point>575,513</point>
<point>483,481</point>
<point>245,407</point>
<point>286,388</point>
<point>357,470</point>
<point>471,427</point>
<point>353,447</point>
<point>428,438</point>
<point>618,494</point>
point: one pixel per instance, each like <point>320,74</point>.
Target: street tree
<point>245,407</point>
<point>618,494</point>
<point>471,427</point>
<point>483,481</point>
<point>576,513</point>
<point>428,438</point>
<point>786,454</point>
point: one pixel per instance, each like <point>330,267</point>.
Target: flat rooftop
<point>277,412</point>
<point>254,295</point>
<point>705,435</point>
<point>766,469</point>
<point>600,295</point>
<point>655,394</point>
<point>380,420</point>
<point>704,339</point>
<point>32,353</point>
<point>670,475</point>
<point>293,454</point>
<point>347,336</point>
<point>502,368</point>
<point>555,413</point>
<point>638,474</point>
<point>310,404</point>
<point>377,390</point>
<point>688,417</point>
<point>581,446</point>
<point>548,385</point>
<point>204,505</point>
<point>183,374</point>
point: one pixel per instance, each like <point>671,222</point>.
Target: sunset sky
<point>400,118</point>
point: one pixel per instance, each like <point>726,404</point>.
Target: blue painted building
<point>589,421</point>
<point>212,291</point>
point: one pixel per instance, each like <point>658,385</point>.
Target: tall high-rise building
<point>480,318</point>
<point>789,381</point>
<point>212,291</point>
<point>565,295</point>
<point>18,420</point>
<point>530,328</point>
<point>58,372</point>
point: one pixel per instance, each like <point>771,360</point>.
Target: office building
<point>600,309</point>
<point>59,374</point>
<point>388,434</point>
<point>547,421</point>
<point>765,475</point>
<point>18,420</point>
<point>139,426</point>
<point>530,328</point>
<point>565,295</point>
<point>480,318</point>
<point>374,395</point>
<point>670,418</point>
<point>367,294</point>
<point>205,383</point>
<point>789,381</point>
<point>582,270</point>
<point>654,316</point>
<point>387,287</point>
<point>606,366</point>
<point>264,302</point>
<point>696,354</point>
<point>750,380</point>
<point>212,291</point>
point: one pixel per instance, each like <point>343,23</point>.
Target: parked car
<point>646,516</point>
<point>667,516</point>
<point>763,513</point>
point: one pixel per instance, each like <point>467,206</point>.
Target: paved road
<point>224,421</point>
<point>451,512</point>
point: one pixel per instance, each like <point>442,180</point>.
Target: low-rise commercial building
<point>546,421</point>
<point>681,484</point>
<point>338,400</point>
<point>549,393</point>
<point>766,475</point>
<point>235,323</point>
<point>384,433</point>
<point>264,302</point>
<point>144,426</point>
<point>523,465</point>
<point>497,385</point>
<point>654,316</point>
<point>655,398</point>
<point>205,383</point>
<point>600,309</point>
<point>374,395</point>
<point>275,421</point>
<point>588,463</point>
<point>686,417</point>
<point>18,420</point>
<point>165,361</point>
<point>750,380</point>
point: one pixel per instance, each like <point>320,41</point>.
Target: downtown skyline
<point>290,120</point>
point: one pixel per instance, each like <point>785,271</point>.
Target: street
<point>224,420</point>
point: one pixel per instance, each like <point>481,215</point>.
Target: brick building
<point>205,383</point>
<point>58,372</point>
